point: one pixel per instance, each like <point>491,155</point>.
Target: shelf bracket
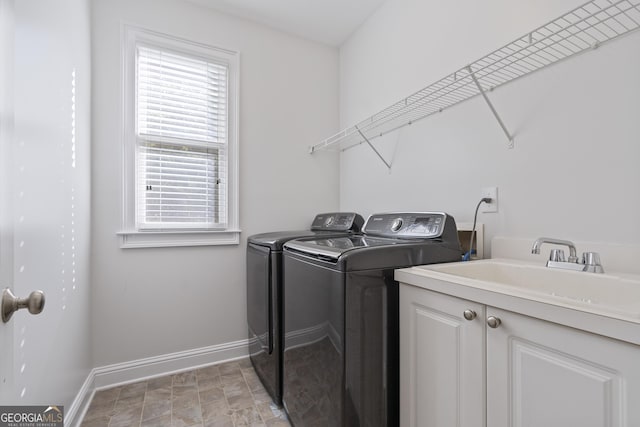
<point>373,148</point>
<point>493,110</point>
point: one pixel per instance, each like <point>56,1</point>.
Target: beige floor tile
<point>185,417</point>
<point>164,421</point>
<point>185,402</point>
<point>158,394</point>
<point>127,417</point>
<point>247,417</point>
<point>215,409</point>
<point>226,395</point>
<point>159,383</point>
<point>270,410</point>
<point>184,378</point>
<point>155,409</point>
<point>208,372</point>
<point>230,368</point>
<point>211,394</point>
<point>133,390</point>
<point>103,396</point>
<point>220,421</point>
<point>277,422</point>
<point>261,396</point>
<point>245,363</point>
<point>96,422</point>
<point>100,409</point>
<point>240,402</point>
<point>209,382</point>
<point>236,389</point>
<point>231,379</point>
<point>127,402</point>
<point>185,391</point>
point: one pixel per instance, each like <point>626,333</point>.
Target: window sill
<point>162,239</point>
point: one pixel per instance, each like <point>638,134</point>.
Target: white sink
<point>591,291</point>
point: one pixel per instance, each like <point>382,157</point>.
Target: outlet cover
<point>491,192</point>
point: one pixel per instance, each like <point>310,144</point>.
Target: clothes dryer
<point>264,292</point>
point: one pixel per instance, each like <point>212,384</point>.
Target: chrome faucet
<point>535,249</point>
<point>590,261</point>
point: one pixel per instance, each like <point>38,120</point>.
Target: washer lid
<point>276,239</point>
<point>333,247</point>
<point>324,225</point>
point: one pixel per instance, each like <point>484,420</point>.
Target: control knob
<point>396,224</point>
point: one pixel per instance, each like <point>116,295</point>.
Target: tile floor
<point>223,395</point>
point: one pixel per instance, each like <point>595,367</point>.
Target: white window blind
<point>181,128</point>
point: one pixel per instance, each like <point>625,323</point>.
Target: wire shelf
<point>579,30</point>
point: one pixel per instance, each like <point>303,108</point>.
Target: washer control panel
<point>337,221</point>
<point>408,225</point>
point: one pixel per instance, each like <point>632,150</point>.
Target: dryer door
<point>259,292</point>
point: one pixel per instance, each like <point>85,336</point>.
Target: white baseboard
<point>74,415</point>
<point>150,367</point>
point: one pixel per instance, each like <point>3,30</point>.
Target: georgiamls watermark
<point>32,416</point>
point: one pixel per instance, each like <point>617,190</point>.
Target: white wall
<point>574,170</point>
<point>48,184</point>
<point>150,302</point>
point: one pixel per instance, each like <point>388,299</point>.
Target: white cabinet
<point>544,374</point>
<point>525,372</point>
<point>441,360</point>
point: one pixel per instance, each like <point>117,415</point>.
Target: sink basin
<point>592,291</point>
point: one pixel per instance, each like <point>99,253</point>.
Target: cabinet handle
<point>493,321</point>
<point>469,314</point>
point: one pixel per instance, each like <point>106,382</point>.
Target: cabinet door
<point>441,360</point>
<point>544,374</point>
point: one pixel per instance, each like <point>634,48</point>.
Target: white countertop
<point>607,319</point>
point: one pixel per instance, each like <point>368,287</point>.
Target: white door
<point>44,198</point>
<point>6,215</point>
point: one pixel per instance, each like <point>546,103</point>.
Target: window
<point>180,185</point>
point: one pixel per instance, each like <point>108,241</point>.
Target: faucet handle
<point>557,255</point>
<point>591,261</point>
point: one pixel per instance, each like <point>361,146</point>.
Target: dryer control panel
<point>407,225</point>
<point>337,221</point>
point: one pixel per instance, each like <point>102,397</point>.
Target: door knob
<point>493,321</point>
<point>10,303</point>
